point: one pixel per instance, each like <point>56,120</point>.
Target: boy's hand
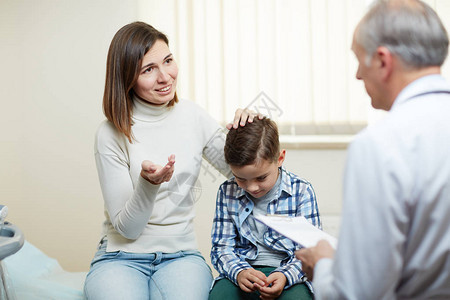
<point>275,285</point>
<point>248,278</point>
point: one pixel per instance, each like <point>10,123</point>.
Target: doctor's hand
<point>242,116</point>
<point>310,256</point>
<point>275,286</point>
<point>247,279</point>
<point>155,174</point>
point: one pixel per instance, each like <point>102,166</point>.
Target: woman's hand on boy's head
<point>156,174</point>
<point>242,116</point>
<point>274,287</point>
<point>247,279</point>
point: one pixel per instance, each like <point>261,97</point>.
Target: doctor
<point>395,234</point>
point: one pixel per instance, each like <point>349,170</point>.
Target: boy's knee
<point>224,289</point>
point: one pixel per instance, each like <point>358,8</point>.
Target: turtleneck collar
<point>144,111</point>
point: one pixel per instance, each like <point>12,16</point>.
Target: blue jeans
<point>123,275</point>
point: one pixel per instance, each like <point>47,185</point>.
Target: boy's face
<point>259,178</point>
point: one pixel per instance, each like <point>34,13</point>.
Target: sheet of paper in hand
<point>298,229</point>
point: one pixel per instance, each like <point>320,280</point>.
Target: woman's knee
<point>115,281</point>
<point>186,277</point>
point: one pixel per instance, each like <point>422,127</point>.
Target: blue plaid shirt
<point>232,240</point>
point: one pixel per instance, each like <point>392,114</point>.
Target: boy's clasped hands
<point>270,287</point>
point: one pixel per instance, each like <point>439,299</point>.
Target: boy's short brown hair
<point>252,142</point>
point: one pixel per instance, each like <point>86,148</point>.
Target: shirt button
<point>247,209</point>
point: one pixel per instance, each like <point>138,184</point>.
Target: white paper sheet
<point>297,229</point>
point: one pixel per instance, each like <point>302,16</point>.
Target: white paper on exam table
<point>298,229</point>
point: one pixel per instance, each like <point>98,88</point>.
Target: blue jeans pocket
<point>101,253</point>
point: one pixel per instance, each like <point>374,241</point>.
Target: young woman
<point>148,154</point>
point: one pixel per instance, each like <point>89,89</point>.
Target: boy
<point>252,259</point>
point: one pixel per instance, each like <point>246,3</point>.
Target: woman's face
<point>157,79</point>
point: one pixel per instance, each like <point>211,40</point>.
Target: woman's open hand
<point>155,174</point>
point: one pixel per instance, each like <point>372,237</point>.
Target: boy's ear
<point>281,157</point>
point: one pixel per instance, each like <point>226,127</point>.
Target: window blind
<point>288,59</point>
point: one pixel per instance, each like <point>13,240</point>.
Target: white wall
<point>53,56</point>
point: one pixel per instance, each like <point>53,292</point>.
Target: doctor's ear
<point>384,62</point>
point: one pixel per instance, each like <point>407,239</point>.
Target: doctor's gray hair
<point>410,29</point>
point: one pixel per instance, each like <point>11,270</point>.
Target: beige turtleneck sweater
<point>142,217</point>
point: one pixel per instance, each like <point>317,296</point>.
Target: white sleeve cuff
<point>323,280</point>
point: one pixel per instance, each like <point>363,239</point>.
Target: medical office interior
<point>289,60</point>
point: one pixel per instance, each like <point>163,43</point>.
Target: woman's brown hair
<point>123,65</point>
<point>257,140</point>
